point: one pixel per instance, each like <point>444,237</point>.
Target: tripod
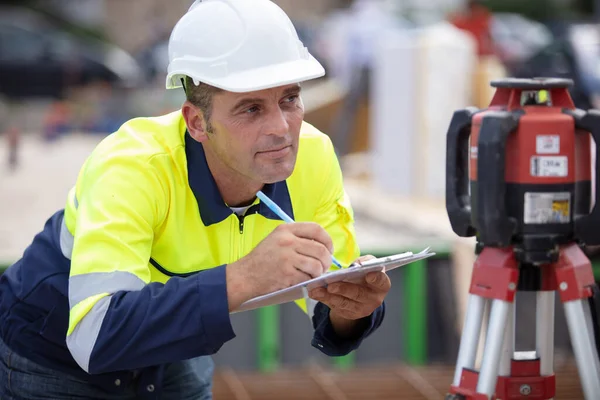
<point>519,177</point>
<point>505,374</point>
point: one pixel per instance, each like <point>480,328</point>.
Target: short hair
<point>201,96</point>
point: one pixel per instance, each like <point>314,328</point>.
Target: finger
<point>365,258</point>
<point>298,276</point>
<point>341,303</point>
<point>317,293</point>
<point>316,250</point>
<point>358,293</point>
<point>312,231</point>
<point>336,303</point>
<point>308,265</point>
<point>378,281</point>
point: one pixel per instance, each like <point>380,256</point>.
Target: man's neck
<point>236,190</point>
<point>237,194</point>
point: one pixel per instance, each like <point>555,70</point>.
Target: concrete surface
<point>37,188</point>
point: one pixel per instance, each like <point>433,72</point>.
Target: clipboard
<point>353,273</point>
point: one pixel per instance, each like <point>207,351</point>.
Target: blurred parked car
<point>154,59</point>
<point>41,59</point>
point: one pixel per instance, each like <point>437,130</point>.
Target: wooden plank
<point>381,382</point>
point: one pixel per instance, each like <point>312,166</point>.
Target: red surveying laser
<point>519,180</point>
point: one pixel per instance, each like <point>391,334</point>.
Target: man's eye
<point>252,110</point>
<point>292,99</point>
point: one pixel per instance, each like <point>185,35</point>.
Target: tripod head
<point>518,173</point>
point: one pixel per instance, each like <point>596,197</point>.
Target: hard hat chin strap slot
<point>183,86</point>
<point>196,82</point>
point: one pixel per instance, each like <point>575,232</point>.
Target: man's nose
<point>278,124</point>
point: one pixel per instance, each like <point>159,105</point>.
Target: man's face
<point>255,134</point>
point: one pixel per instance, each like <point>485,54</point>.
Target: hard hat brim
<point>258,78</point>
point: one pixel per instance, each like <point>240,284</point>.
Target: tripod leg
<point>470,336</point>
<point>488,374</point>
<point>508,346</point>
<point>590,319</point>
<point>579,321</point>
<point>575,280</point>
<point>495,277</point>
<point>544,331</point>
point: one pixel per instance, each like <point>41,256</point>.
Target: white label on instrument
<point>550,166</point>
<point>473,152</point>
<point>547,144</point>
<point>547,208</point>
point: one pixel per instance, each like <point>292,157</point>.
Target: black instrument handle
<point>458,204</point>
<point>587,227</point>
<point>494,225</point>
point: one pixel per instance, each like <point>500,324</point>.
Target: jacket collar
<point>210,203</point>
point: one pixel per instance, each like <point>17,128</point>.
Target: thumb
<point>365,258</point>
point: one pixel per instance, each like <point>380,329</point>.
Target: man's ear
<point>194,119</point>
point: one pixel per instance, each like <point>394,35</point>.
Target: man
<point>127,291</point>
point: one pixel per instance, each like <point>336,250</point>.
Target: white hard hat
<point>238,46</point>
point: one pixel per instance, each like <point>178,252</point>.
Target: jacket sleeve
<point>328,342</point>
<point>118,320</point>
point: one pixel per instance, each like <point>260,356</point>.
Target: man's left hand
<point>353,301</point>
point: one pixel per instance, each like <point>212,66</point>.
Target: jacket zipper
<point>241,249</point>
<point>237,238</point>
<point>241,223</point>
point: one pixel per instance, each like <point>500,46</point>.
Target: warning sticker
<point>547,208</point>
<point>547,144</point>
<point>550,166</point>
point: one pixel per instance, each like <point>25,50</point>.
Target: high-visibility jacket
<point>130,275</point>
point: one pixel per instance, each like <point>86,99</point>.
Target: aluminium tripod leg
<point>579,321</point>
<point>495,277</point>
<point>544,331</point>
<point>470,337</point>
<point>488,374</point>
<point>575,279</point>
<point>508,346</point>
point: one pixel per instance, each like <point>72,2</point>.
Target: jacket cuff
<point>327,341</point>
<point>214,312</point>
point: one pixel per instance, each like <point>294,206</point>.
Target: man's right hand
<point>291,254</point>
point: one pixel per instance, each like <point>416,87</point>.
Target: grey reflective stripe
<point>82,340</point>
<point>87,285</point>
<point>66,240</point>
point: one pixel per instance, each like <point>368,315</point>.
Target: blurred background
<point>72,71</point>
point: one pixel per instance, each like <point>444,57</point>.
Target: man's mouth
<point>277,152</point>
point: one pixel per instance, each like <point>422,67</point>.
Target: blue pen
<point>277,210</point>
